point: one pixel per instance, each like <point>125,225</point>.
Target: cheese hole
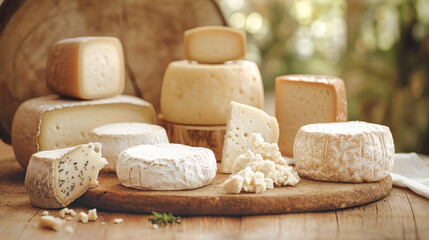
<point>96,149</point>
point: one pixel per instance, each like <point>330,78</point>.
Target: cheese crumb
<point>92,214</point>
<point>155,226</point>
<point>50,222</point>
<point>65,211</point>
<point>69,230</point>
<point>118,220</point>
<point>45,213</point>
<point>69,218</point>
<point>83,217</point>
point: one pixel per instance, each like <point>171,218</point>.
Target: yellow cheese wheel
<point>200,94</point>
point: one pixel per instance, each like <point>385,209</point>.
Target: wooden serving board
<point>306,196</point>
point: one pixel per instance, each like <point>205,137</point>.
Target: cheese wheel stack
<point>197,91</point>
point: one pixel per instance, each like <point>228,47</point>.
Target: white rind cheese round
<point>344,151</point>
<point>166,167</point>
<point>117,137</point>
<point>200,94</point>
<point>55,178</point>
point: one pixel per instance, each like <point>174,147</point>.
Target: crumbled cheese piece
<point>118,220</point>
<point>155,226</point>
<point>248,181</point>
<point>69,218</point>
<point>92,215</point>
<point>66,211</point>
<point>45,213</point>
<point>83,217</point>
<point>69,230</point>
<point>266,158</point>
<point>103,223</point>
<point>259,169</point>
<point>50,222</point>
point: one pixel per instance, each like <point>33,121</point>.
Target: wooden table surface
<point>401,215</point>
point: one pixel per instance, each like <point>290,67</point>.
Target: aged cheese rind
<point>344,152</point>
<point>30,132</point>
<point>214,44</point>
<point>306,99</point>
<point>117,137</point>
<point>200,94</point>
<point>86,67</point>
<point>166,167</point>
<point>50,172</point>
<point>243,121</point>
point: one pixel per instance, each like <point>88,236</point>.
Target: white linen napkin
<point>409,171</point>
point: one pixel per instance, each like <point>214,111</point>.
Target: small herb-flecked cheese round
<point>344,151</point>
<point>117,137</point>
<point>166,167</point>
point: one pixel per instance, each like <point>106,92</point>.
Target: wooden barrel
<point>151,33</point>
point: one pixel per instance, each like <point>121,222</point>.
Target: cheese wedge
<point>243,121</point>
<point>55,178</point>
<point>344,151</point>
<point>166,167</point>
<point>86,67</point>
<point>199,94</point>
<point>50,122</point>
<point>305,99</point>
<point>117,137</point>
<point>214,44</point>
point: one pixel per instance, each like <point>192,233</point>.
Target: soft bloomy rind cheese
<point>166,167</point>
<point>214,44</point>
<point>344,152</point>
<point>117,137</point>
<point>243,121</point>
<point>305,99</point>
<point>200,94</point>
<point>55,178</point>
<point>86,67</point>
<point>50,122</point>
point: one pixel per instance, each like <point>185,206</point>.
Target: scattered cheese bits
<point>69,218</point>
<point>50,222</point>
<point>69,230</point>
<point>118,220</point>
<point>83,217</point>
<point>92,215</point>
<point>259,169</point>
<point>45,213</point>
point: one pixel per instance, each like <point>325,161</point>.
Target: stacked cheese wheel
<point>196,92</point>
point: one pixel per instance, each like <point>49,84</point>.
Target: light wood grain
<point>401,215</point>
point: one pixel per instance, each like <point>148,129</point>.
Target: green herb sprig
<point>164,218</point>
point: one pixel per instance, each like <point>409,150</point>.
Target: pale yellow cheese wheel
<point>194,93</point>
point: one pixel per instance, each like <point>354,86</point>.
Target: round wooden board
<point>151,33</point>
<point>306,196</point>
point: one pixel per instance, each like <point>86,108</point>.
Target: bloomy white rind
<point>40,177</point>
<point>166,167</point>
<point>117,137</point>
<point>344,152</point>
<point>28,118</point>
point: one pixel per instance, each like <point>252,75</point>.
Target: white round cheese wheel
<point>200,94</point>
<point>166,167</point>
<point>117,137</point>
<point>344,151</point>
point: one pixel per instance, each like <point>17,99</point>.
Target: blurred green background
<point>379,48</point>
